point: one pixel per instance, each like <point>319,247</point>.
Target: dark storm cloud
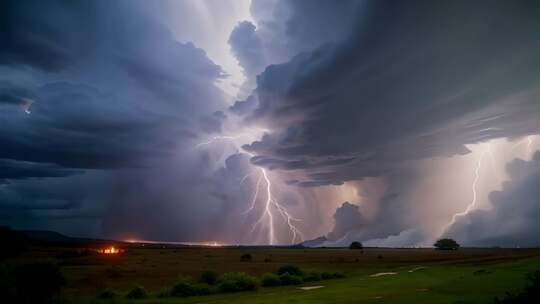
<point>29,38</point>
<point>114,95</point>
<point>289,27</point>
<point>347,218</point>
<point>413,80</point>
<point>11,94</point>
<point>136,85</point>
<point>247,48</point>
<point>513,218</point>
<point>10,169</point>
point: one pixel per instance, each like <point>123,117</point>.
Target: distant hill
<point>46,236</point>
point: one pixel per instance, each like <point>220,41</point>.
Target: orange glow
<point>110,250</point>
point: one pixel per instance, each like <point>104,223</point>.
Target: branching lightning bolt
<point>270,206</point>
<point>219,138</point>
<point>472,205</point>
<point>528,141</point>
<point>529,147</point>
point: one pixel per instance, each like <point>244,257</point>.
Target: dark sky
<point>125,119</point>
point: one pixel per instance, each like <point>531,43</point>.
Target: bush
<point>270,279</point>
<point>236,281</point>
<point>446,244</point>
<point>31,283</point>
<point>289,279</point>
<point>312,276</point>
<point>356,245</point>
<point>290,269</point>
<point>326,275</point>
<point>338,275</point>
<point>246,257</point>
<point>184,287</point>
<point>163,293</point>
<point>529,295</point>
<point>106,294</point>
<point>209,277</point>
<point>138,292</point>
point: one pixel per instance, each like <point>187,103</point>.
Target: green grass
<point>464,276</point>
<point>434,284</point>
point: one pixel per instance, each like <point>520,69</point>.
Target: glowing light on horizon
<point>110,250</point>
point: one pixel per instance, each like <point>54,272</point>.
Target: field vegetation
<point>168,274</point>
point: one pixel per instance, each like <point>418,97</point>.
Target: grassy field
<point>422,275</point>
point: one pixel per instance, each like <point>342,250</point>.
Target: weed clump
<point>137,292</point>
<point>312,276</point>
<point>209,277</point>
<point>106,294</point>
<point>185,287</point>
<point>290,269</point>
<point>270,280</point>
<point>236,281</point>
<point>289,279</point>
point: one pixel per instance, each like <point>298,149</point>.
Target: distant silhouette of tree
<point>246,257</point>
<point>356,245</point>
<point>446,244</point>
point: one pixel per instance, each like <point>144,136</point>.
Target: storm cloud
<point>114,115</point>
<point>513,219</point>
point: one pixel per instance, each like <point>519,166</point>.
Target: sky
<point>272,121</point>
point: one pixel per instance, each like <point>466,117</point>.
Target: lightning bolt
<point>528,141</point>
<point>529,147</point>
<point>220,138</point>
<point>471,206</point>
<point>271,207</point>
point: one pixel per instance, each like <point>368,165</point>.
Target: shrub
<point>530,294</point>
<point>236,281</point>
<point>270,279</point>
<point>209,277</point>
<point>326,275</point>
<point>32,283</point>
<point>137,292</point>
<point>246,257</point>
<point>356,245</point>
<point>163,293</point>
<point>290,269</point>
<point>338,275</point>
<point>289,279</point>
<point>184,287</point>
<point>106,294</point>
<point>446,244</point>
<point>312,276</point>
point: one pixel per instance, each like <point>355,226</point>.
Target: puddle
<point>310,287</point>
<point>382,274</point>
<point>417,268</point>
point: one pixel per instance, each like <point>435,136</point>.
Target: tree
<point>446,244</point>
<point>356,245</point>
<point>246,257</point>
